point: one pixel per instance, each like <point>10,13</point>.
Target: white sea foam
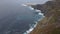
<point>24,5</point>
<point>40,14</point>
<point>38,11</point>
<point>33,25</point>
<point>28,31</point>
<point>31,8</point>
<point>31,28</point>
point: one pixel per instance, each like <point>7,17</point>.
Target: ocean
<point>16,18</point>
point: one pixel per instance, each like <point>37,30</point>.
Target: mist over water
<point>15,18</point>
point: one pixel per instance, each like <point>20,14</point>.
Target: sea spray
<point>23,4</point>
<point>32,26</point>
<point>38,10</point>
<point>31,8</point>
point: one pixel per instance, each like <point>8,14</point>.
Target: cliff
<point>51,23</point>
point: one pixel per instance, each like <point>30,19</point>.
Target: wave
<point>31,8</point>
<point>32,26</point>
<point>40,14</point>
<point>24,5</point>
<point>38,11</point>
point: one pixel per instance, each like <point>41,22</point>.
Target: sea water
<point>16,18</point>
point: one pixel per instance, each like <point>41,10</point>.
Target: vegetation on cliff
<point>51,23</point>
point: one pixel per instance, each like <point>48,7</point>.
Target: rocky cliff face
<point>51,23</point>
<point>45,8</point>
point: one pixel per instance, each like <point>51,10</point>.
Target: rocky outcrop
<point>44,7</point>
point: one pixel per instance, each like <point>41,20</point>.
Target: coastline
<point>32,26</point>
<point>51,10</point>
<point>51,21</point>
<point>41,26</point>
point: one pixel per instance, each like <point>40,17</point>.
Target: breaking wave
<point>32,26</point>
<point>24,5</point>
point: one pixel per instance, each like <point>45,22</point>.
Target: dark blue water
<point>15,18</point>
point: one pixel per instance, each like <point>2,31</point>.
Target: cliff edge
<point>51,23</point>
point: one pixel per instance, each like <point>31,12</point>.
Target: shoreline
<point>51,21</point>
<point>32,26</point>
<point>47,25</point>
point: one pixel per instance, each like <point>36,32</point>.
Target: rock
<point>44,7</point>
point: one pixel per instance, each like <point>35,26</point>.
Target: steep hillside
<point>51,23</point>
